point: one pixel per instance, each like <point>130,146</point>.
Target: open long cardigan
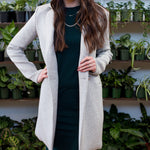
<point>90,86</point>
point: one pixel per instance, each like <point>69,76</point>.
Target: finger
<point>87,66</point>
<point>86,63</point>
<point>89,69</point>
<point>85,59</point>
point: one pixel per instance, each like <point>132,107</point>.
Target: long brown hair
<point>93,21</point>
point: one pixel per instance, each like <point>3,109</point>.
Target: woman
<point>74,40</point>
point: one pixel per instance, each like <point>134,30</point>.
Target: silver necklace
<point>73,14</point>
<point>68,25</point>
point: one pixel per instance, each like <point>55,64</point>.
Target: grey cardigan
<point>90,86</point>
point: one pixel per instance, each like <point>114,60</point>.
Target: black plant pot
<point>1,55</point>
<point>141,93</point>
<point>114,54</point>
<point>3,16</point>
<point>140,57</point>
<point>113,15</point>
<point>40,56</point>
<point>31,93</point>
<point>21,16</point>
<point>125,15</point>
<point>137,15</point>
<point>147,15</point>
<point>4,92</point>
<point>11,16</point>
<point>124,54</point>
<point>129,93</point>
<point>30,13</point>
<point>17,94</point>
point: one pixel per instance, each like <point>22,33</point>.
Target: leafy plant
<point>17,81</point>
<point>18,5</point>
<point>4,6</point>
<point>105,80</point>
<point>145,84</point>
<point>8,33</point>
<point>139,5</point>
<point>32,4</point>
<point>4,77</point>
<point>138,48</point>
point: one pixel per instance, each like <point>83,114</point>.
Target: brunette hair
<point>93,20</point>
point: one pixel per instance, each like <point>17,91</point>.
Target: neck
<point>71,3</point>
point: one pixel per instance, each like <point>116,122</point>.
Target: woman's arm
<point>15,49</point>
<point>104,55</point>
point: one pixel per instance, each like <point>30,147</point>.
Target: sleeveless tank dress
<point>67,124</point>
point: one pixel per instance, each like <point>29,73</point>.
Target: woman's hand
<point>87,64</point>
<point>42,75</point>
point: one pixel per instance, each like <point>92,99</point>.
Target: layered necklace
<point>71,15</point>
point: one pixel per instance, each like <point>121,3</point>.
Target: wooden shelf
<point>118,64</point>
<point>24,99</point>
<point>8,61</point>
<point>125,101</point>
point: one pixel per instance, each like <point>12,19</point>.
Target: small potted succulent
<point>138,11</point>
<point>30,52</point>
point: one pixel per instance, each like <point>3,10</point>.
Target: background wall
<point>25,109</point>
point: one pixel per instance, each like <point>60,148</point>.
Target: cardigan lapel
<point>51,63</point>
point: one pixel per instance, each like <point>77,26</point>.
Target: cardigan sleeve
<point>103,55</point>
<point>16,47</point>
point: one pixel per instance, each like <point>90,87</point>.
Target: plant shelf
<point>118,64</point>
<point>125,101</point>
<point>20,100</point>
<point>8,61</point>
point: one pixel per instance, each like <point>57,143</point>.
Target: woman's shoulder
<point>102,7</point>
<point>43,8</point>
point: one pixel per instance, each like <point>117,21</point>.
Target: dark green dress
<point>67,126</point>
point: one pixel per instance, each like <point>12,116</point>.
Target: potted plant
<point>123,47</point>
<point>105,84</point>
<point>19,7</point>
<point>111,6</point>
<point>8,33</point>
<point>30,88</point>
<point>2,50</point>
<point>4,7</point>
<point>125,10</point>
<point>147,14</point>
<point>32,4</point>
<point>138,11</point>
<point>11,12</point>
<point>113,50</point>
<point>30,52</point>
<point>17,85</point>
<point>4,81</point>
<point>137,51</point>
<point>127,82</point>
<point>143,89</point>
<point>115,82</point>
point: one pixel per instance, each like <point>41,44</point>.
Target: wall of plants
<point>121,132</point>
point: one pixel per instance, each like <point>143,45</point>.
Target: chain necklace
<point>68,25</point>
<point>73,14</point>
